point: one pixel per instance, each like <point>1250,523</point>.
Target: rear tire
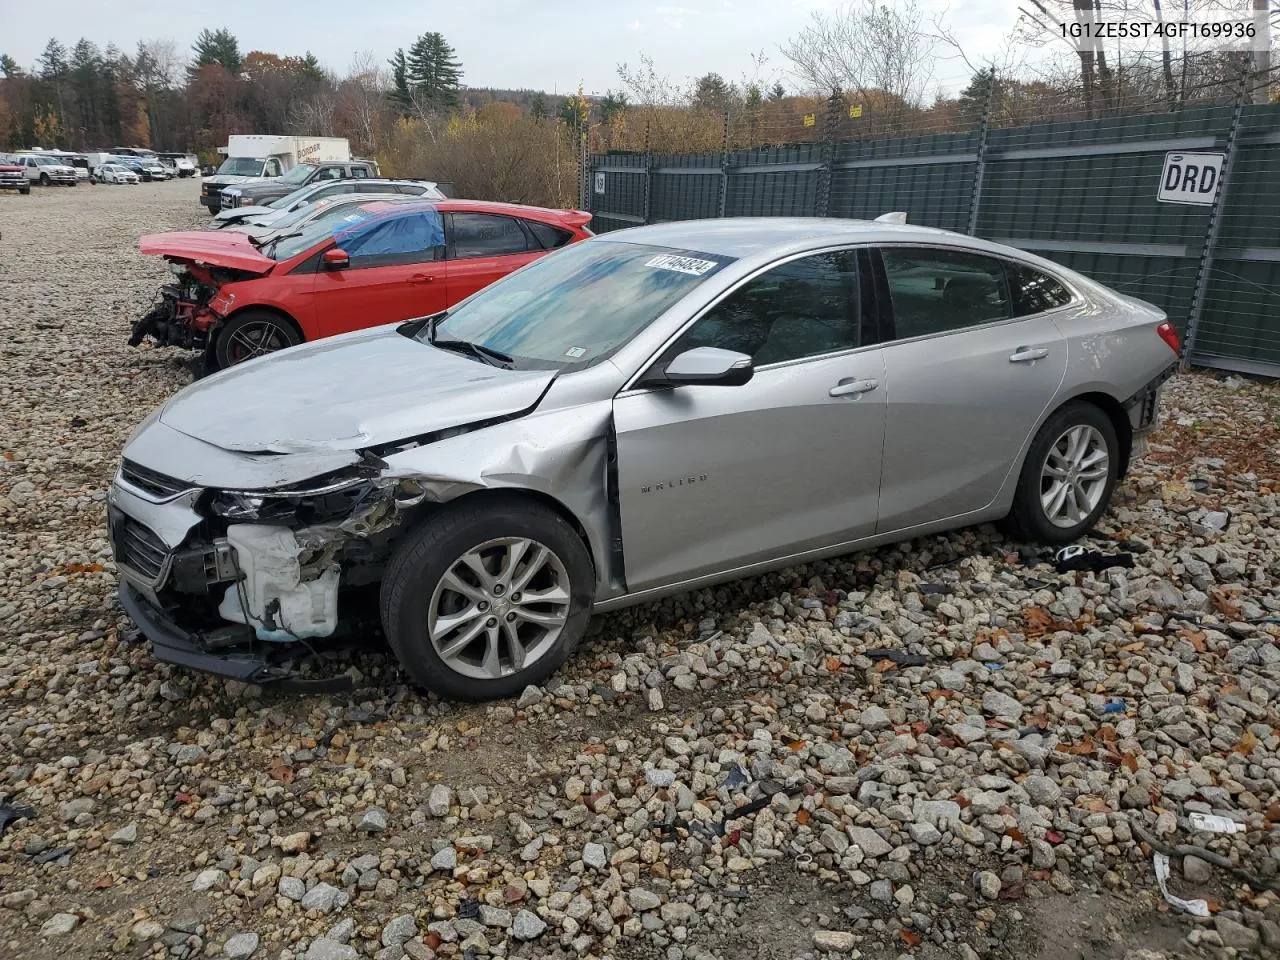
<point>458,598</point>
<point>1068,477</point>
<point>253,333</point>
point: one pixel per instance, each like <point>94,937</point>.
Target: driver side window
<point>804,308</point>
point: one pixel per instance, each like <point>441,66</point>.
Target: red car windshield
<point>412,226</point>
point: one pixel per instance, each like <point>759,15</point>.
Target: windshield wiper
<point>271,247</point>
<point>477,350</point>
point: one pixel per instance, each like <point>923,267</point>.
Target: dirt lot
<point>985,804</point>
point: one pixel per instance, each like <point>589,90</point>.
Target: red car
<point>239,298</point>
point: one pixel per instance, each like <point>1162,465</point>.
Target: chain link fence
<point>1073,187</point>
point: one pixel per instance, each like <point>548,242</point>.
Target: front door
<point>396,272</point>
<point>713,478</point>
<point>975,360</point>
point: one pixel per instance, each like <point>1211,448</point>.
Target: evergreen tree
<point>216,46</point>
<point>613,105</point>
<point>399,93</point>
<point>434,73</point>
<point>973,98</point>
<point>53,62</point>
<point>538,107</point>
<point>777,92</point>
<point>9,66</point>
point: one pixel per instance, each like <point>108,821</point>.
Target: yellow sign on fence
<point>810,119</point>
<point>855,109</point>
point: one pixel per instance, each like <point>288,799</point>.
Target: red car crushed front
<point>383,263</point>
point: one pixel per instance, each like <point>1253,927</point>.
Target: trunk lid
<point>216,248</point>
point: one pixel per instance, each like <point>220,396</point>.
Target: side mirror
<point>335,259</point>
<point>705,366</point>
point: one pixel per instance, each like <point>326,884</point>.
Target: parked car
<point>237,300</point>
<point>115,173</point>
<point>260,192</point>
<point>12,176</point>
<point>313,192</point>
<point>182,164</point>
<point>648,412</point>
<point>347,208</point>
<point>47,170</point>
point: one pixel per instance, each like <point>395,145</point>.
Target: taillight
<point>1169,334</point>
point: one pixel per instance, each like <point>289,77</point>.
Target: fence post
<point>980,166</point>
<point>584,172</point>
<point>1204,271</point>
<point>724,167</point>
<point>648,173</point>
<point>829,129</point>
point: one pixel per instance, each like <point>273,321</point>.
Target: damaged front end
<point>186,311</point>
<point>238,582</point>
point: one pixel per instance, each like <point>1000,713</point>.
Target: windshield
<point>241,167</point>
<point>49,161</point>
<point>290,245</point>
<point>299,173</point>
<point>577,306</point>
<point>289,199</point>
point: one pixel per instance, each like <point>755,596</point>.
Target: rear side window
<point>333,190</point>
<point>937,291</point>
<point>548,237</point>
<point>486,235</point>
<point>1033,291</point>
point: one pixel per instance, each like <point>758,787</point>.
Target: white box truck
<point>257,155</point>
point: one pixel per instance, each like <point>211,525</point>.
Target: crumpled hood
<point>349,392</point>
<point>242,213</point>
<point>221,248</point>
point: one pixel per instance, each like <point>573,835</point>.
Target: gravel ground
<point>723,775</point>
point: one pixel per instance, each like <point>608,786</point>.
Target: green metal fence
<point>1081,192</point>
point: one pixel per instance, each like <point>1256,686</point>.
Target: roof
<point>744,236</point>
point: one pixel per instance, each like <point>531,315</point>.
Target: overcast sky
<point>544,44</point>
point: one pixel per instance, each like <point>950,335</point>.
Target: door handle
<point>849,387</point>
<point>422,278</point>
<point>1028,354</point>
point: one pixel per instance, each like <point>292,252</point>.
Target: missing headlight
<point>321,499</point>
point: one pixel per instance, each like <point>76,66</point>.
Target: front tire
<point>253,333</point>
<point>44,179</point>
<point>1068,477</point>
<point>487,597</point>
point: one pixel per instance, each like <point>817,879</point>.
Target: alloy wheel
<point>1073,478</point>
<point>255,339</point>
<point>499,608</point>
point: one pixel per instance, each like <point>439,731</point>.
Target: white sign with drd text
<point>1190,178</point>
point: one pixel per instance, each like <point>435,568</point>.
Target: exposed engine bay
<point>185,311</point>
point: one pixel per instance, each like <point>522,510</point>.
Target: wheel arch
<point>263,308</point>
<point>497,496</point>
<point>1115,412</point>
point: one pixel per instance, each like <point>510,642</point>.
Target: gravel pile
<point>735,773</point>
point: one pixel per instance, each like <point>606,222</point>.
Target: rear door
<point>973,361</point>
<point>483,247</point>
<point>393,275</point>
<point>713,478</point>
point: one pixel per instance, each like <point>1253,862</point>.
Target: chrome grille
<point>150,481</point>
<point>139,548</point>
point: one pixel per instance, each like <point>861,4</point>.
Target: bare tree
<point>865,46</point>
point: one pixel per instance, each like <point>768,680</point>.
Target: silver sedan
<point>644,413</point>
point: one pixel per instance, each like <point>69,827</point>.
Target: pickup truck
<point>12,177</point>
<point>264,191</point>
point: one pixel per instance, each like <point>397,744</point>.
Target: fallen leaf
<point>1193,637</point>
<point>1053,837</point>
<point>279,770</point>
<point>797,745</point>
<point>884,666</point>
<point>834,665</point>
<point>802,817</point>
<point>1094,804</point>
<point>594,749</point>
<point>1015,834</point>
<point>103,882</point>
<point>1107,732</point>
<point>1225,604</point>
<point>1273,812</point>
<point>1013,891</point>
<point>1247,743</point>
<point>910,937</point>
<point>1129,762</point>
